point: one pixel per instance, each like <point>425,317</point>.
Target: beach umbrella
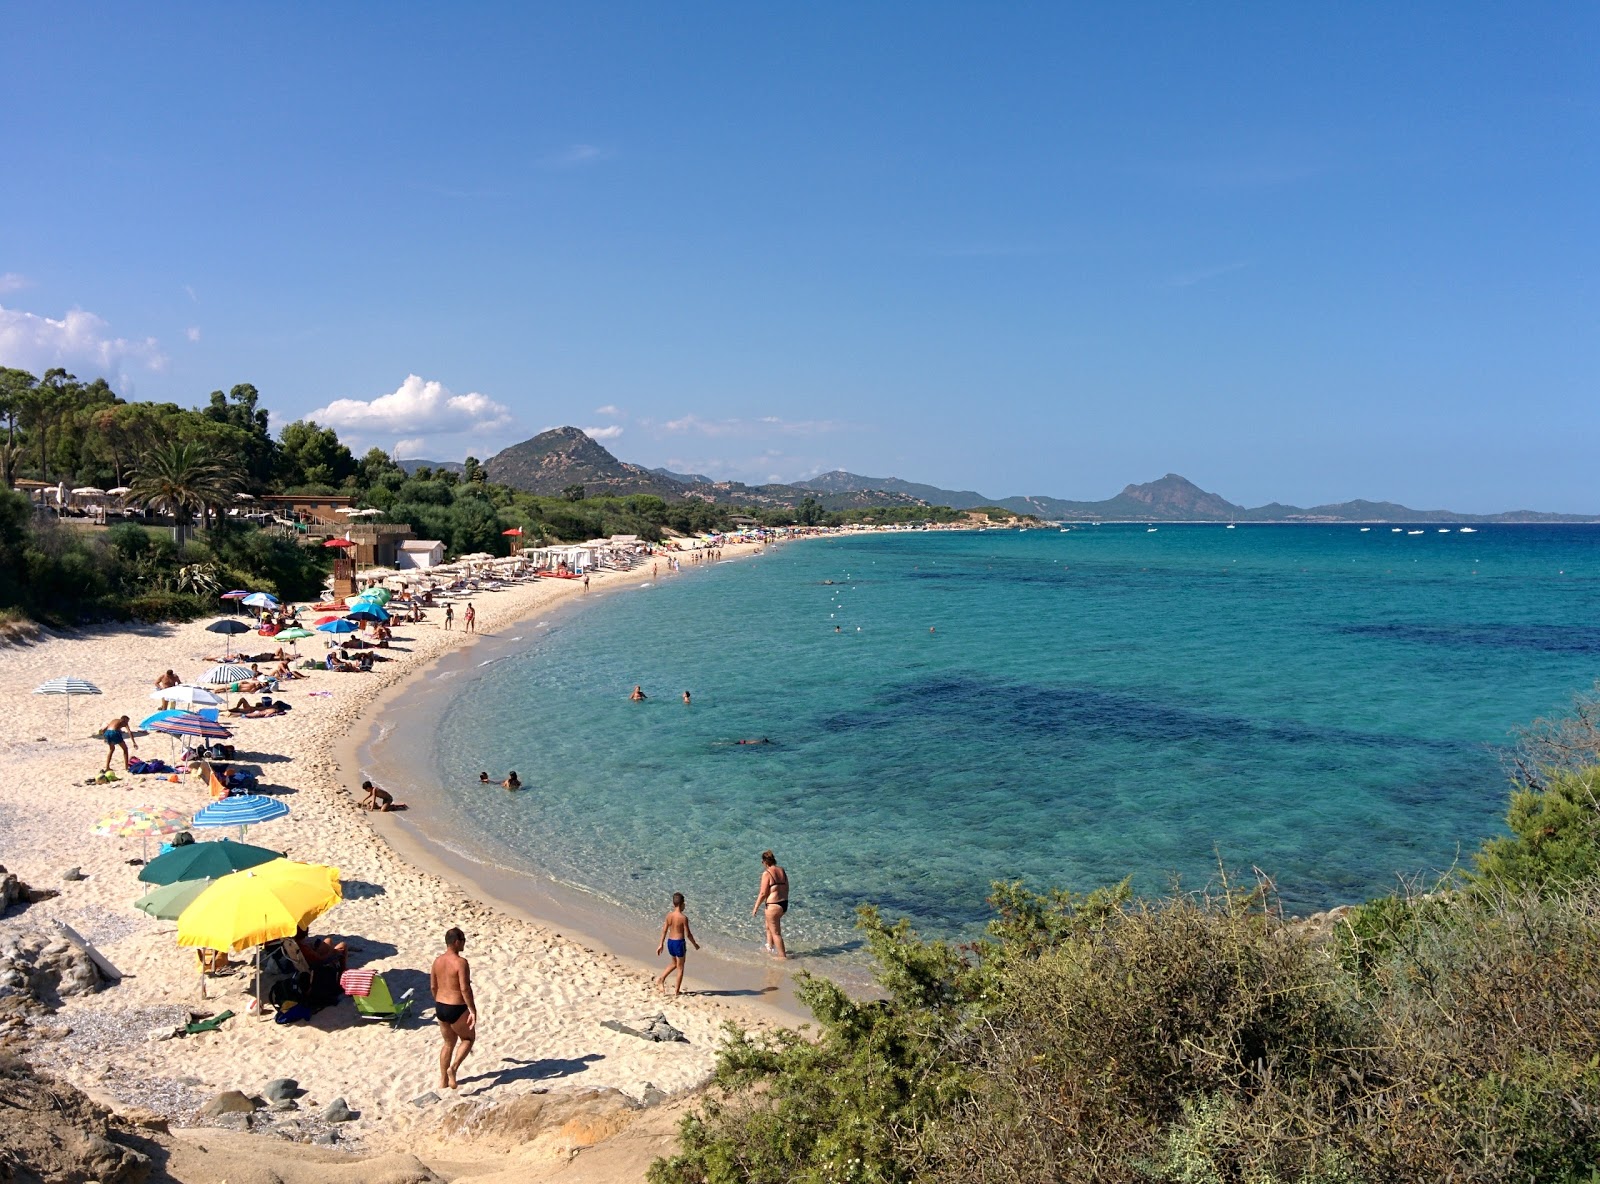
<point>294,635</point>
<point>368,612</point>
<point>88,491</point>
<point>224,673</point>
<point>188,724</point>
<point>168,902</point>
<point>69,688</point>
<point>337,626</point>
<point>236,594</point>
<point>190,697</point>
<point>119,491</point>
<point>241,810</point>
<point>228,627</point>
<point>340,543</point>
<point>155,717</point>
<point>143,821</point>
<point>264,903</point>
<point>260,600</point>
<point>380,594</point>
<point>200,861</point>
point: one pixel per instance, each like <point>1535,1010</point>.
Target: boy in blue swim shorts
<point>675,936</point>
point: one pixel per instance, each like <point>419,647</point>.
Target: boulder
<point>73,873</point>
<point>230,1101</point>
<point>338,1111</point>
<point>44,970</point>
<point>281,1089</point>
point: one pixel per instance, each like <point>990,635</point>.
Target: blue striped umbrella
<point>186,723</point>
<point>261,600</point>
<point>68,687</point>
<point>241,810</point>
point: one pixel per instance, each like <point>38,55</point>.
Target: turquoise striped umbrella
<point>241,810</point>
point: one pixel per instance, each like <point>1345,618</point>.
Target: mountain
<point>839,481</point>
<point>553,460</point>
<point>449,466</point>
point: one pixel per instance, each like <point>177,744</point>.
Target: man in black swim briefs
<point>454,1007</point>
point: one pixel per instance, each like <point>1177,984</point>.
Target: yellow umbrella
<point>258,905</point>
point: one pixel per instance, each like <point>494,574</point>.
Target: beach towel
<point>357,982</point>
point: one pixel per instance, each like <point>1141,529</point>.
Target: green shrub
<point>152,607</point>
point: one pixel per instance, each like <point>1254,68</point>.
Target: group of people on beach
<point>772,900</point>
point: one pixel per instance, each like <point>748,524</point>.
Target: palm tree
<point>179,477</point>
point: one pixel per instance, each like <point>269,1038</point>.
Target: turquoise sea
<point>1319,702</point>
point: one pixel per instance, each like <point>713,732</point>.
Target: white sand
<point>542,996</point>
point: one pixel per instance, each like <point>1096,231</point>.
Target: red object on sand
<point>328,606</point>
<point>338,543</point>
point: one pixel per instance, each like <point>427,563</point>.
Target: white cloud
<point>79,341</point>
<point>608,409</point>
<point>609,432</point>
<point>764,425</point>
<point>192,332</point>
<point>408,449</point>
<point>419,407</point>
<point>576,156</point>
<point>13,282</point>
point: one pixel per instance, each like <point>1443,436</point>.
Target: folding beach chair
<point>378,1003</point>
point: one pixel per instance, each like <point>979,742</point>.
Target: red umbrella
<point>338,543</point>
<point>515,530</point>
<point>324,620</point>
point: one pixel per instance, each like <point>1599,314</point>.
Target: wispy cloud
<point>79,341</point>
<point>762,425</point>
<point>192,332</point>
<point>417,410</point>
<point>189,288</point>
<point>1188,279</point>
<point>577,156</point>
<point>13,281</point>
<point>608,409</point>
<point>608,432</point>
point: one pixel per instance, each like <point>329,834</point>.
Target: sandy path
<point>542,996</point>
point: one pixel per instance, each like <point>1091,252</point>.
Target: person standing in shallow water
<point>470,618</point>
<point>449,615</point>
<point>774,897</point>
<point>450,982</point>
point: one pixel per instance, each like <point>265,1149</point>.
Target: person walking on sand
<point>470,618</point>
<point>450,982</point>
<point>585,581</point>
<point>774,896</point>
<point>449,615</point>
<point>117,734</point>
<point>675,932</point>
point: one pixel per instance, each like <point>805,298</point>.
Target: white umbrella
<point>191,696</point>
<point>88,491</point>
<point>68,687</point>
<point>119,491</point>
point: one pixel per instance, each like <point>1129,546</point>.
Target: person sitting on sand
<point>511,781</point>
<point>319,949</point>
<point>377,799</point>
<point>283,673</point>
<point>638,695</point>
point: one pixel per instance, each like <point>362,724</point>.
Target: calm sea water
<point>1068,708</point>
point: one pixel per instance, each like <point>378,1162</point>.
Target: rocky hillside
<point>553,460</point>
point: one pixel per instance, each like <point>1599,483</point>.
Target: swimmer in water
<point>763,740</point>
<point>483,778</point>
<point>686,702</point>
<point>638,695</point>
<point>511,781</point>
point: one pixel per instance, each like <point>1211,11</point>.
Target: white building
<point>418,553</point>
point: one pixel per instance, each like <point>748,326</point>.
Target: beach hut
<point>419,553</point>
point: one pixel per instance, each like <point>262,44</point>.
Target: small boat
<point>1394,530</point>
<point>1444,530</point>
<point>1231,525</point>
<point>1415,532</point>
<point>1468,530</point>
<point>1364,529</point>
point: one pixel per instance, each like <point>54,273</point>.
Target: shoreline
<point>545,987</point>
<point>574,913</point>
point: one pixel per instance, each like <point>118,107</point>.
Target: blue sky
<point>1292,252</point>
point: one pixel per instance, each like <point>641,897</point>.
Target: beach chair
<point>379,1004</point>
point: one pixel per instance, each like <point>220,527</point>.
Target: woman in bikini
<point>774,895</point>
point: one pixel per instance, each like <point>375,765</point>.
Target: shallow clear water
<point>1316,701</point>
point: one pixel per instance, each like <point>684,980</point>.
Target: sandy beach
<point>543,988</point>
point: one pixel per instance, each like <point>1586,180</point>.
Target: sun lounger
<point>379,1004</point>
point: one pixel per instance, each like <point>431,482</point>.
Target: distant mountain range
<point>551,461</point>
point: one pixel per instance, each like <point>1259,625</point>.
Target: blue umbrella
<point>340,626</point>
<point>240,810</point>
<point>367,612</point>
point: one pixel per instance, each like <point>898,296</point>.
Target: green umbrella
<point>381,595</point>
<point>165,903</point>
<point>295,634</point>
<point>199,861</point>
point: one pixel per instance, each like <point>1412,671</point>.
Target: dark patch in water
<point>1545,639</point>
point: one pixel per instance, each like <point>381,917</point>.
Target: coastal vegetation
<point>193,471</point>
<point>1451,1033</point>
